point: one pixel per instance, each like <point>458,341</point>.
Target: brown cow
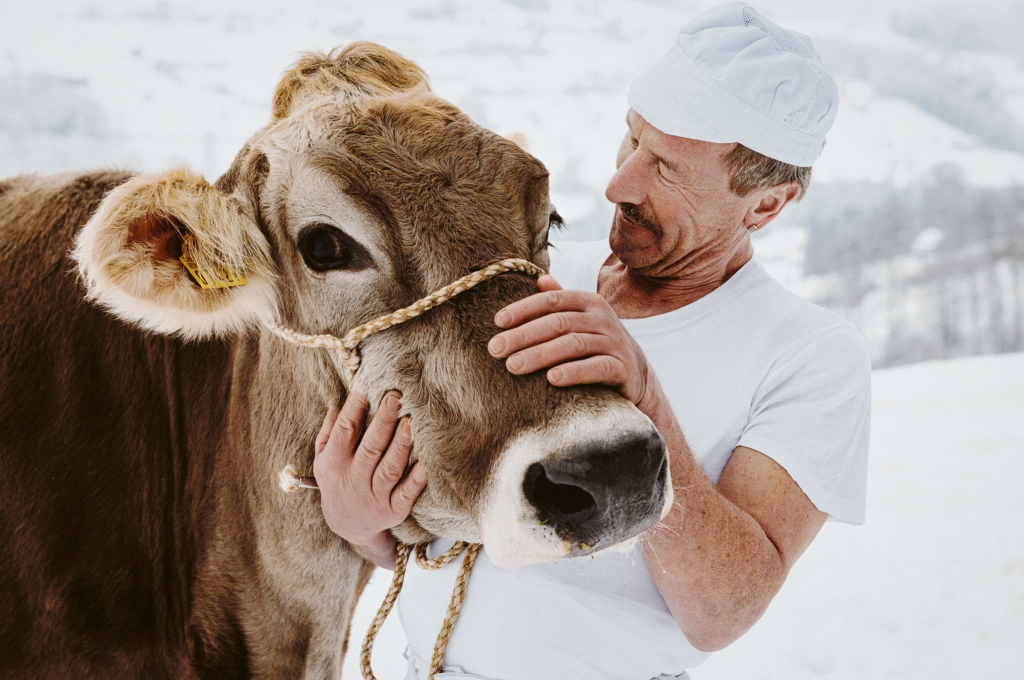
<point>142,532</point>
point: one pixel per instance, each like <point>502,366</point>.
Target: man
<point>762,398</point>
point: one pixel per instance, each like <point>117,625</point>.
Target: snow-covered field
<point>932,586</point>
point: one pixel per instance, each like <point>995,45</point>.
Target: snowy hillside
<point>932,586</point>
<point>926,86</point>
<point>149,84</point>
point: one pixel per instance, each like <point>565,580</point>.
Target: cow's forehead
<point>412,166</point>
<point>400,140</point>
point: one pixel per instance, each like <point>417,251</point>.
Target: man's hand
<point>360,475</point>
<point>578,337</point>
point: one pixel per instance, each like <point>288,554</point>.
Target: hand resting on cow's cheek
<point>580,340</point>
<point>363,486</point>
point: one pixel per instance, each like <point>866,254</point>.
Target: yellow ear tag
<point>222,278</point>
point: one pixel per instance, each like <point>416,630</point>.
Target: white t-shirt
<point>749,364</point>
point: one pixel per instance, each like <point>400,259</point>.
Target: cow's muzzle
<point>599,494</point>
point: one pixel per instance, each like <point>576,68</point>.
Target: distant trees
<point>932,272</point>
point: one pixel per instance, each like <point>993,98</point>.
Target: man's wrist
<point>653,403</point>
<point>381,549</point>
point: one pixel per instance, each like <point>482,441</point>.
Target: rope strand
<point>385,609</point>
<point>347,347</point>
<point>454,606</point>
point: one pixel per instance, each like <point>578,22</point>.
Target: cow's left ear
<point>130,256</point>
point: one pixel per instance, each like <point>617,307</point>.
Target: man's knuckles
<point>389,470</point>
<point>577,345</point>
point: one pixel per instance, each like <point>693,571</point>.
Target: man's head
<point>722,133</point>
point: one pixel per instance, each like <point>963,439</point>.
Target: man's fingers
<point>536,306</point>
<point>541,330</point>
<point>561,349</point>
<point>325,430</point>
<point>547,283</point>
<point>333,453</point>
<point>603,370</point>
<point>392,466</point>
<point>349,425</point>
<point>406,493</point>
<point>378,435</point>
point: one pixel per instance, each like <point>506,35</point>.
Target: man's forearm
<point>711,561</point>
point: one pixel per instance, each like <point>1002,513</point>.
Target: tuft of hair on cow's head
<point>359,69</point>
<point>129,255</point>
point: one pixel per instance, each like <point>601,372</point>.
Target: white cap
<point>734,76</point>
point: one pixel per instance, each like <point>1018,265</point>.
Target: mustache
<point>634,214</point>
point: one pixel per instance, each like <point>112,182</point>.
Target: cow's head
<point>363,194</point>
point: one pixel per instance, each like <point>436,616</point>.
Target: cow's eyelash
<point>556,221</point>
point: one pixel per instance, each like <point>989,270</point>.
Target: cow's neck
<point>278,398</point>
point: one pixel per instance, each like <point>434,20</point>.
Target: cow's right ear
<point>130,256</point>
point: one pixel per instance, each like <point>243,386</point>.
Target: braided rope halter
<point>347,349</point>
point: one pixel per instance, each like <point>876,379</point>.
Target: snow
<point>887,139</point>
<point>932,586</point>
<point>189,81</point>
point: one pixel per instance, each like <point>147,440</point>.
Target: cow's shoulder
<point>39,216</point>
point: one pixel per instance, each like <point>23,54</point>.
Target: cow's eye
<point>555,221</point>
<point>325,247</point>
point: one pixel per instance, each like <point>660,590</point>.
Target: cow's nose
<point>601,493</point>
<point>568,503</point>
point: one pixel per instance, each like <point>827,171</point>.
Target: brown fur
<point>141,531</point>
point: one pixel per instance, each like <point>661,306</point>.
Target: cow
<point>144,418</point>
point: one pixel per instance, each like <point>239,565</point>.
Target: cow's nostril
<point>566,502</point>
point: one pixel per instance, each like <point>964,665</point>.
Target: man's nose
<point>627,184</point>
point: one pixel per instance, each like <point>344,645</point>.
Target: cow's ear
<point>130,254</point>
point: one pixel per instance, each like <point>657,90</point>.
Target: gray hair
<point>752,171</point>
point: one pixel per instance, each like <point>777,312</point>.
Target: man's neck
<point>635,296</point>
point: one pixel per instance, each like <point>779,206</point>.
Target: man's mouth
<point>631,219</point>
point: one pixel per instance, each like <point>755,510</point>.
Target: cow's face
<point>363,195</point>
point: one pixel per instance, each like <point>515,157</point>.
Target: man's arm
<point>723,552</point>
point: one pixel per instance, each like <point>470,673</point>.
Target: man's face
<point>674,209</point>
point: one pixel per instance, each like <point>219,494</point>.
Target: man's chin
<point>635,250</point>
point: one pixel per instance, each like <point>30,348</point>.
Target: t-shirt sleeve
<point>811,414</point>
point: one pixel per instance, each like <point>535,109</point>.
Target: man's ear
<point>130,257</point>
<point>770,203</point>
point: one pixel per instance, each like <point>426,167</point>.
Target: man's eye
<point>324,247</point>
